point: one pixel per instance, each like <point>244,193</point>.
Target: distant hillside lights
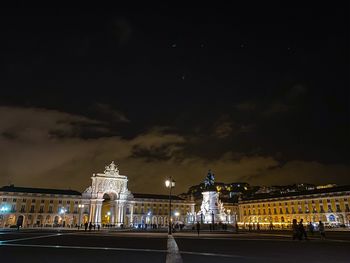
<point>230,190</point>
<point>233,190</point>
<point>325,186</point>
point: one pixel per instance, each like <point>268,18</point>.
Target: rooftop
<point>16,189</point>
<point>155,196</point>
<point>344,188</point>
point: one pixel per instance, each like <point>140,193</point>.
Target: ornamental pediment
<point>111,170</point>
<point>110,181</point>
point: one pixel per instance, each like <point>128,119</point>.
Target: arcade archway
<point>108,195</point>
<point>107,212</point>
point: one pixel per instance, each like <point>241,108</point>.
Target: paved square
<point>73,246</point>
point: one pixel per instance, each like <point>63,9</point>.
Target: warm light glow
<point>108,213</point>
<point>167,183</point>
<point>170,183</point>
<point>176,213</point>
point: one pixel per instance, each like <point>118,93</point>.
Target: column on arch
<point>122,211</point>
<point>131,214</point>
<point>116,212</point>
<point>92,211</point>
<point>112,213</point>
<point>98,211</point>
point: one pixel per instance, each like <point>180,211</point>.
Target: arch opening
<point>107,216</point>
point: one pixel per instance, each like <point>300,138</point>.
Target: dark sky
<point>255,93</point>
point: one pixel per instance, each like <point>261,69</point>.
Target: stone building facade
<point>106,202</point>
<point>330,205</point>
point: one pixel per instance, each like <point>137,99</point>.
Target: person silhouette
<point>302,230</point>
<point>198,227</point>
<point>321,230</point>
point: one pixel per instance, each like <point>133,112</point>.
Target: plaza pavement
<point>65,246</point>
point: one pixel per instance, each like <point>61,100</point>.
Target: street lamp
<point>176,214</point>
<point>148,218</point>
<point>212,219</point>
<point>170,183</point>
<point>63,211</point>
<point>3,212</point>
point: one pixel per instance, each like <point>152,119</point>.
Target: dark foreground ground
<point>72,246</point>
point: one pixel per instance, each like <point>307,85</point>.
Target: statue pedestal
<point>211,208</point>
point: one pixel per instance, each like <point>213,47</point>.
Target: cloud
<point>246,106</point>
<point>32,156</point>
<point>275,108</point>
<point>156,145</point>
<point>296,92</point>
<point>297,171</point>
<point>223,130</point>
<point>276,104</point>
<point>107,112</point>
<point>34,124</point>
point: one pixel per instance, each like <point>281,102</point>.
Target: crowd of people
<point>299,231</point>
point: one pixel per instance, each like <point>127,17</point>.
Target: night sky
<point>257,93</point>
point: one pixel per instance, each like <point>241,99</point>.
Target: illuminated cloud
<point>36,156</point>
<point>223,129</point>
<point>107,112</point>
<point>246,106</point>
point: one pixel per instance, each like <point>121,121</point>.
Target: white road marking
<point>123,249</point>
<point>265,238</point>
<point>28,238</point>
<point>213,254</point>
<point>88,248</point>
<point>123,234</point>
<point>173,255</point>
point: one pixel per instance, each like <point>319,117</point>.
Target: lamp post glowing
<point>3,212</point>
<point>170,183</point>
<point>177,214</point>
<point>63,212</point>
<point>148,218</point>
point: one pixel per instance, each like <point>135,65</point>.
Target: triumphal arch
<point>110,186</point>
